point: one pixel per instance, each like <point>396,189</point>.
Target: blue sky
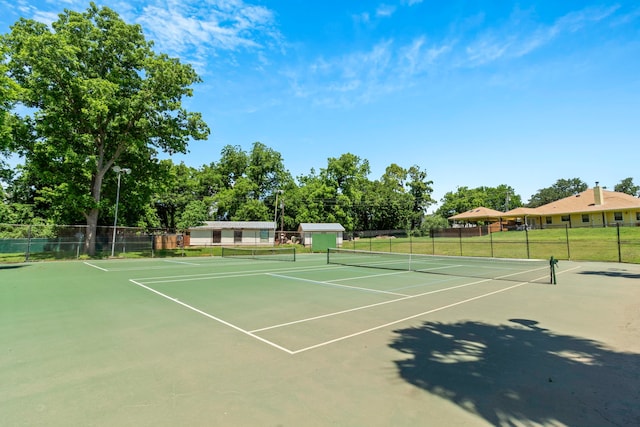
<point>475,92</point>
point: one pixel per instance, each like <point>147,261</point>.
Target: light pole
<point>275,217</point>
<point>118,170</point>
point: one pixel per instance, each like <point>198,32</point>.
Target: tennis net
<point>268,253</point>
<point>520,270</point>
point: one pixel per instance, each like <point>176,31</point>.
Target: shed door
<point>322,241</point>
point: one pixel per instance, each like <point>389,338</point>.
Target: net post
<point>552,264</point>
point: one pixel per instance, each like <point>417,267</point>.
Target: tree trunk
<point>92,226</point>
<point>92,215</point>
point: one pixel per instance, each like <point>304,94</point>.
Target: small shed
<point>225,233</point>
<point>321,236</point>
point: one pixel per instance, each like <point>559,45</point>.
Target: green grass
<point>592,244</point>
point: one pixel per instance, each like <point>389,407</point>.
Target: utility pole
<point>281,220</point>
<point>275,216</point>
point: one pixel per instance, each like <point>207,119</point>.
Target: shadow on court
<point>11,266</point>
<point>618,272</point>
<point>522,374</point>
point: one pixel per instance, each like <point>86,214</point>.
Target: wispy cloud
<point>514,40</point>
<point>389,65</point>
<point>385,10</point>
<point>362,76</point>
<point>199,30</point>
<point>191,29</point>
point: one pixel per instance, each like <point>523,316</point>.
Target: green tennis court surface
<point>239,342</point>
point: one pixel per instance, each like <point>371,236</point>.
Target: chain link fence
<point>612,244</point>
<point>39,242</point>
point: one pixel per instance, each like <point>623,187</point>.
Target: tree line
<point>89,93</point>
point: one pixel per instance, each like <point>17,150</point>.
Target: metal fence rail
<point>612,244</point>
<point>35,242</point>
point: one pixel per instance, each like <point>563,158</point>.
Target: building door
<point>321,242</point>
<point>217,236</point>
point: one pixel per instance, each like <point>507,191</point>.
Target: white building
<point>228,233</point>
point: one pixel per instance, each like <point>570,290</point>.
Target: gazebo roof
<point>478,214</point>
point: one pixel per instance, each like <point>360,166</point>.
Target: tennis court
<point>266,342</point>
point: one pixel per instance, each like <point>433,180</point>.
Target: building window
<point>264,235</point>
<point>565,218</point>
<point>585,218</point>
<point>549,220</point>
<point>637,216</point>
<point>237,236</point>
<point>617,216</point>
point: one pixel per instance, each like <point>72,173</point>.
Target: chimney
<point>598,196</point>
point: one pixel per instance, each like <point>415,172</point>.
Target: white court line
<point>217,319</point>
<point>205,261</point>
<point>444,307</point>
<point>335,285</point>
<point>371,305</point>
<point>95,266</point>
<point>223,275</point>
<point>252,333</point>
<point>170,261</point>
<point>395,273</point>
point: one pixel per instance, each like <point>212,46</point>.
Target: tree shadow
<point>11,266</point>
<point>614,273</point>
<point>522,374</point>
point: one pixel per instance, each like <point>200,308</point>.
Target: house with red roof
<point>594,207</point>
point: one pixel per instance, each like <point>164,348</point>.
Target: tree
<point>176,187</point>
<point>345,177</point>
<point>8,94</point>
<point>97,92</point>
<point>265,170</point>
<point>627,186</point>
<point>500,198</point>
<point>561,189</point>
<point>193,215</point>
<point>420,190</point>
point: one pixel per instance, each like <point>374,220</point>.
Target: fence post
<point>28,244</point>
<point>526,234</point>
<point>460,239</point>
<point>433,241</point>
<point>619,248</point>
<point>566,229</point>
<point>491,241</point>
<point>410,241</point>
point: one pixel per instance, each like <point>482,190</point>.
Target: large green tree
<point>420,189</point>
<point>8,96</point>
<point>628,187</point>
<point>95,90</point>
<point>561,189</point>
<point>501,198</point>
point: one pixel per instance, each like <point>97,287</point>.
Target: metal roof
<point>237,225</point>
<point>321,226</point>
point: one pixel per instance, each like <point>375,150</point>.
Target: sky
<point>474,92</point>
